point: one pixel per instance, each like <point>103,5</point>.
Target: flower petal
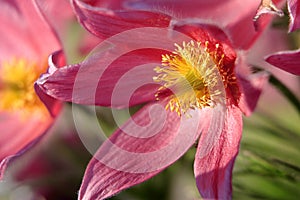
<point>106,18</point>
<point>213,166</point>
<point>286,60</point>
<point>18,135</point>
<point>266,7</point>
<point>205,32</point>
<point>53,106</point>
<point>21,36</point>
<point>251,89</point>
<point>58,14</point>
<point>148,143</point>
<point>79,83</point>
<point>294,13</point>
<point>104,22</point>
<point>56,60</point>
<point>238,25</point>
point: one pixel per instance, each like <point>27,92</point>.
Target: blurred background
<point>267,167</point>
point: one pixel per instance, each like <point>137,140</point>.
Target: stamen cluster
<point>191,72</point>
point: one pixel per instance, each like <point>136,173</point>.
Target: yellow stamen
<point>189,72</point>
<point>17,93</point>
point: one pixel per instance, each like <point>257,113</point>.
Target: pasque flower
<point>183,79</point>
<point>26,42</point>
<point>113,17</point>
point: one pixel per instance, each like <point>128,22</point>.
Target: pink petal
<point>148,143</point>
<point>21,33</point>
<point>58,13</point>
<point>266,7</point>
<point>286,60</point>
<point>211,33</point>
<point>54,106</point>
<point>104,22</point>
<point>79,83</point>
<point>106,18</point>
<point>18,135</point>
<point>294,13</point>
<point>251,89</point>
<point>213,165</point>
<point>118,72</point>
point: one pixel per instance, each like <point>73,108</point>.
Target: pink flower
<point>26,42</point>
<point>286,60</point>
<point>196,88</point>
<point>112,17</point>
<point>289,60</point>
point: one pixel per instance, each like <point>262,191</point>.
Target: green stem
<point>285,91</point>
<point>282,88</point>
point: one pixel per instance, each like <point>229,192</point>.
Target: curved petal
<point>286,60</point>
<point>106,18</point>
<point>52,104</point>
<point>266,7</point>
<point>213,167</point>
<point>18,135</point>
<point>211,33</point>
<point>56,60</point>
<point>251,89</point>
<point>104,22</point>
<point>294,13</point>
<point>58,14</point>
<point>90,83</point>
<point>21,36</point>
<point>148,143</point>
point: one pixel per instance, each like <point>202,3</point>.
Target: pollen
<point>17,93</point>
<point>191,74</point>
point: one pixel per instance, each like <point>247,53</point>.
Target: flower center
<point>17,93</point>
<point>191,73</point>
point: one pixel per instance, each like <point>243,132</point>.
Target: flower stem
<point>285,91</point>
<point>281,87</point>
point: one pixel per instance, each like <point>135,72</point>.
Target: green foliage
<point>268,166</point>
